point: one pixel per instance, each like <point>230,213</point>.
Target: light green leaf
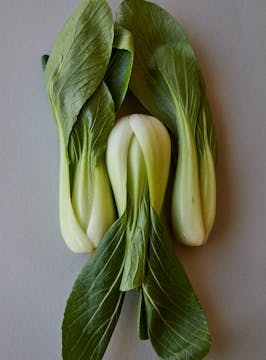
<point>99,115</point>
<point>205,127</point>
<point>178,70</point>
<point>119,69</point>
<point>78,61</point>
<point>207,154</point>
<point>165,74</point>
<point>95,302</point>
<point>151,28</point>
<point>176,323</point>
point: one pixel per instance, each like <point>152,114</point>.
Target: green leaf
<point>95,302</point>
<point>205,127</point>
<point>138,227</point>
<point>207,154</point>
<point>178,70</point>
<point>176,323</point>
<point>151,28</point>
<point>95,121</point>
<point>119,69</point>
<point>78,61</point>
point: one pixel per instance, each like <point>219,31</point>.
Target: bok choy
<point>138,169</point>
<point>84,93</point>
<point>167,81</point>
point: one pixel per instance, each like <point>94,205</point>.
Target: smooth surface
<point>37,270</point>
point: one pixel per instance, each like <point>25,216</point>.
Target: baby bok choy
<point>167,81</point>
<point>138,163</point>
<point>84,112</point>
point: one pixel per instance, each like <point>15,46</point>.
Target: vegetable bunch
<point>114,174</point>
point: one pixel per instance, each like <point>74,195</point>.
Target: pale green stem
<point>72,232</point>
<point>81,191</point>
<point>186,205</point>
<point>208,189</point>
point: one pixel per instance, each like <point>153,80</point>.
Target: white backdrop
<point>37,270</point>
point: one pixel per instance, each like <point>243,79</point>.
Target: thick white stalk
<point>81,190</point>
<point>186,201</point>
<point>116,159</point>
<point>137,176</point>
<point>74,236</point>
<point>102,213</point>
<point>155,143</point>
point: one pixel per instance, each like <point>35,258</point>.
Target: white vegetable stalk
<point>194,194</point>
<point>102,213</point>
<point>138,153</point>
<point>87,211</point>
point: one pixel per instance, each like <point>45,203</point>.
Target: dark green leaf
<point>120,65</point>
<point>176,323</point>
<point>94,305</point>
<point>78,61</point>
<point>138,229</point>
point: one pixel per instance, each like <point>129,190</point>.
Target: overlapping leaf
<point>120,66</point>
<point>176,323</point>
<point>78,61</point>
<point>95,302</point>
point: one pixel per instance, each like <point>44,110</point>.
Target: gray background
<point>36,268</point>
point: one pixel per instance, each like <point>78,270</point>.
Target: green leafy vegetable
<point>95,302</point>
<point>166,80</point>
<point>83,109</point>
<point>87,76</point>
<point>138,169</point>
